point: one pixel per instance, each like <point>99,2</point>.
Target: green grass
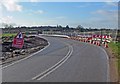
<point>8,34</point>
<point>116,50</point>
<point>118,66</point>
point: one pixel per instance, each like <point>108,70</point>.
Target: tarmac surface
<point>63,60</point>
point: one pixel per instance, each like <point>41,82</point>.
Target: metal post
<point>101,37</point>
<point>115,35</point>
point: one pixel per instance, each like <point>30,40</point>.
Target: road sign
<point>18,40</point>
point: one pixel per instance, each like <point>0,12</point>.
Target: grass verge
<point>9,34</point>
<point>116,51</point>
<point>119,66</point>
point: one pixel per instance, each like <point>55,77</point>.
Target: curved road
<point>64,60</point>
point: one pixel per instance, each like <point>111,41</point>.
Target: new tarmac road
<point>63,60</point>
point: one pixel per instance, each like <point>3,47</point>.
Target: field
<point>8,37</point>
<point>116,51</point>
<point>8,34</point>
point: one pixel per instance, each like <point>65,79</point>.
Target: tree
<point>4,25</point>
<point>67,27</point>
<point>11,25</point>
<point>80,28</point>
<point>57,26</point>
<point>60,26</point>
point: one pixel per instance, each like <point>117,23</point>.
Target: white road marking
<point>107,57</point>
<point>26,57</point>
<point>108,67</point>
<point>54,67</point>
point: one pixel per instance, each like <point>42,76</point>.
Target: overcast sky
<point>87,14</point>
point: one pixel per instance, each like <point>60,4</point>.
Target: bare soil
<point>31,44</point>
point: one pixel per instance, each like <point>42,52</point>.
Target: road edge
<point>27,56</point>
<point>114,77</point>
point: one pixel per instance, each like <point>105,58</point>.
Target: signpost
<point>18,41</point>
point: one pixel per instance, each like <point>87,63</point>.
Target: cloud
<point>34,0</point>
<point>11,5</point>
<point>107,13</point>
<point>109,3</point>
<point>7,19</point>
<point>112,3</point>
<point>105,17</point>
<point>98,12</point>
<point>60,17</point>
<point>57,19</point>
<point>83,6</point>
<point>73,0</point>
<point>39,12</point>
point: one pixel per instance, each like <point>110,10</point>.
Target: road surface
<point>64,60</point>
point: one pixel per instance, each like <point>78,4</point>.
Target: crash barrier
<point>91,41</point>
<point>55,35</point>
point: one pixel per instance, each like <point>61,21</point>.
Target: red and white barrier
<point>106,45</point>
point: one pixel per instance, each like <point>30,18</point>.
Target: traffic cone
<point>73,38</point>
<point>84,40</point>
<point>90,41</point>
<point>93,42</point>
<point>77,38</point>
<point>106,45</point>
<point>98,43</point>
